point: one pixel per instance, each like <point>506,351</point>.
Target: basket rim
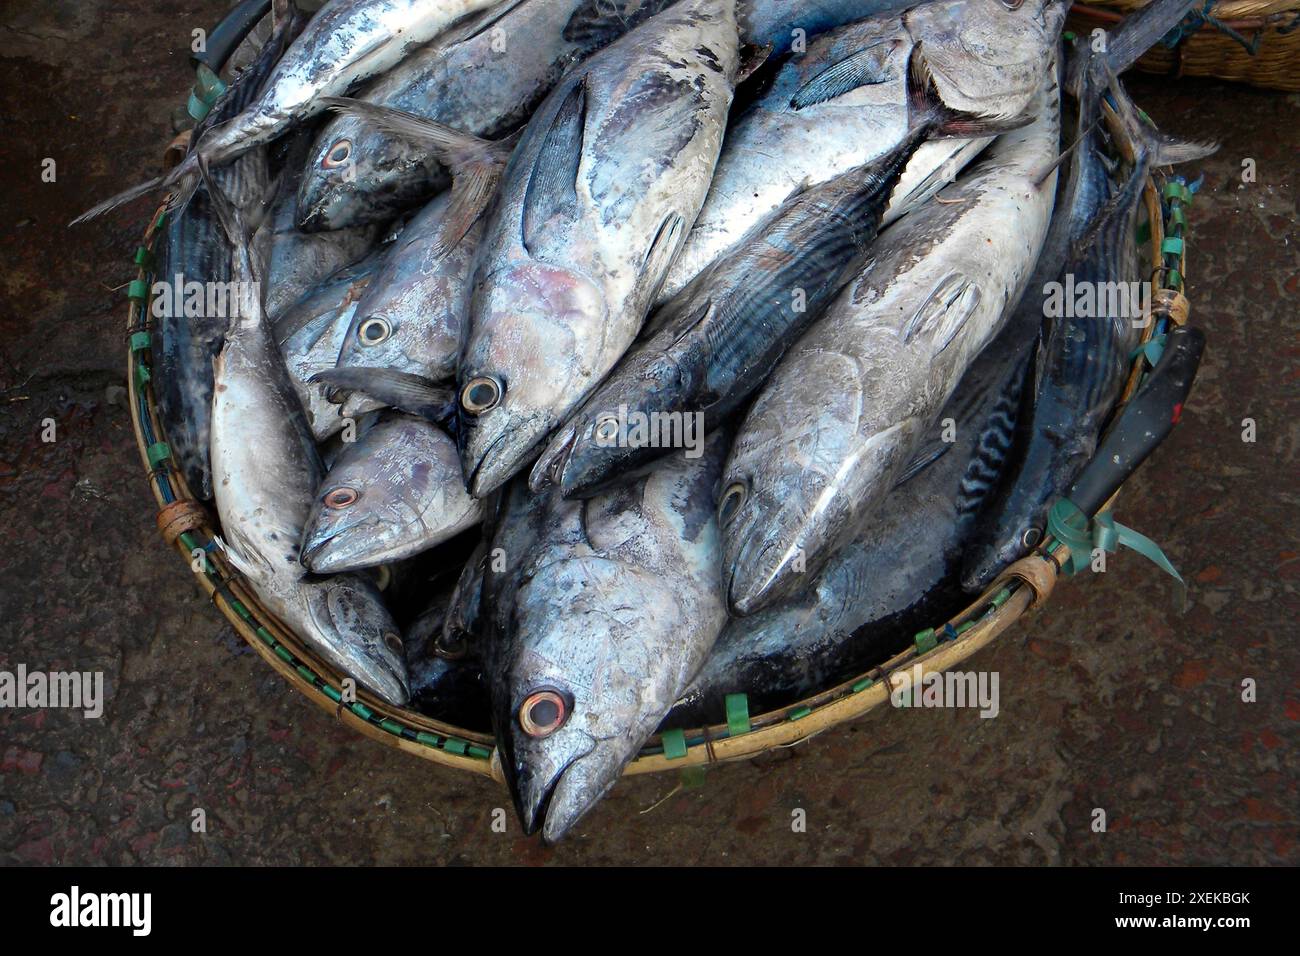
<point>1019,588</point>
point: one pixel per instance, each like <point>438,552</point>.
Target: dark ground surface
<point>1110,699</point>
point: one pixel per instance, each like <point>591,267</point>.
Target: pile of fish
<point>586,361</point>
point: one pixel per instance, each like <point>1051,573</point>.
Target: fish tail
<point>1125,44</point>
<point>406,391</point>
<point>1146,145</point>
<point>475,164</point>
<point>246,266</point>
<point>121,199</point>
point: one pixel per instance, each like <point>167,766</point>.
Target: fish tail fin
<point>1142,30</point>
<point>475,164</point>
<point>282,11</point>
<point>247,269</point>
<point>1145,144</point>
<point>929,112</point>
<point>122,198</point>
<point>406,391</point>
<point>1124,45</point>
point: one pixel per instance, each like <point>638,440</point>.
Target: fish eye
<point>393,642</point>
<point>451,646</point>
<point>340,497</point>
<point>1031,537</point>
<point>542,713</point>
<point>731,501</point>
<point>373,331</point>
<point>480,395</point>
<point>1013,4</point>
<point>607,429</point>
<point>338,155</point>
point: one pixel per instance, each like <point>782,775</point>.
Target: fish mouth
<point>502,459</point>
<point>534,789</point>
<point>757,582</point>
<point>482,479</point>
<point>551,468</point>
<point>326,555</point>
<point>392,685</point>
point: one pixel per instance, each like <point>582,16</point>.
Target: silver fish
<point>310,334</point>
<point>844,411</point>
<point>898,576</point>
<point>724,332</point>
<point>603,612</point>
<point>394,492</point>
<point>484,77</point>
<point>346,43</point>
<point>265,470</point>
<point>780,24</point>
<point>412,317</point>
<point>605,183</point>
<point>849,99</point>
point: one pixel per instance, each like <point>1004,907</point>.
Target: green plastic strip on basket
<point>1071,526</point>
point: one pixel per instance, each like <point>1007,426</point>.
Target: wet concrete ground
<point>1111,699</point>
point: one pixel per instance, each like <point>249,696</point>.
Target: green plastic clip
<point>1071,526</point>
<point>332,693</point>
<point>482,753</point>
<point>456,745</point>
<point>737,706</point>
<point>426,738</point>
<point>674,742</point>
<point>1172,245</point>
<point>926,641</point>
<point>799,713</point>
<point>392,726</point>
<point>207,88</point>
<point>863,684</point>
<point>1178,191</point>
<point>157,453</point>
<point>138,290</point>
<point>144,257</point>
<point>362,711</point>
<point>141,341</point>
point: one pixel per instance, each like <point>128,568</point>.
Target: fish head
<point>987,58</point>
<point>356,175</point>
<point>524,366</point>
<point>579,685</point>
<point>363,641</point>
<point>392,492</point>
<point>612,431</point>
<point>391,338</point>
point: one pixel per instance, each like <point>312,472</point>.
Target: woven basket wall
<point>1271,28</point>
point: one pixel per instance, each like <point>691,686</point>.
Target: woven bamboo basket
<point>1249,41</point>
<point>190,528</point>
